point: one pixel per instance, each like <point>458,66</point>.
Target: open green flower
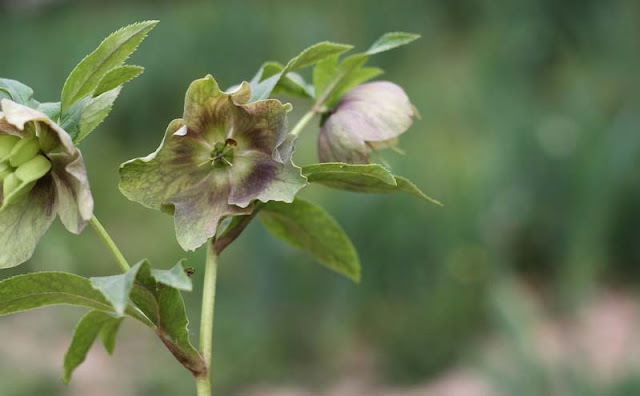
<point>214,162</point>
<point>42,175</point>
<point>370,116</point>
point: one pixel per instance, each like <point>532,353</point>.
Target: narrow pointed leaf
<point>370,178</point>
<point>118,76</point>
<point>309,227</point>
<point>40,289</point>
<point>310,56</point>
<point>109,333</point>
<point>84,336</point>
<point>390,41</point>
<point>315,54</point>
<point>95,112</point>
<point>111,53</point>
<point>349,177</point>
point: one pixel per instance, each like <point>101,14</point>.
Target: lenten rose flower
<point>216,161</point>
<point>370,116</point>
<point>42,175</point>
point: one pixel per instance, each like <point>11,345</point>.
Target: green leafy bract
<point>332,79</point>
<point>262,87</point>
<point>118,76</point>
<point>391,40</point>
<point>370,178</point>
<point>17,92</point>
<point>309,227</point>
<point>110,54</point>
<point>87,330</point>
<point>40,289</point>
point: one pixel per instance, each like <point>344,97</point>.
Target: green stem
<point>303,121</point>
<point>104,235</point>
<point>203,383</point>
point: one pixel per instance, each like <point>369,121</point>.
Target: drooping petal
<point>51,136</point>
<point>198,210</point>
<point>371,114</point>
<point>256,175</point>
<point>23,223</point>
<point>74,202</point>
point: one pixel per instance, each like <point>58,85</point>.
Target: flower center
<point>22,164</point>
<point>222,153</point>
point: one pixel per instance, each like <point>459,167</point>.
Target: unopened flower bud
<point>34,169</point>
<point>23,151</point>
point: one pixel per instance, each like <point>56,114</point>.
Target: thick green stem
<point>104,235</point>
<point>203,383</point>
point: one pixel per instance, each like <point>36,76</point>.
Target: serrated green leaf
<point>109,333</point>
<point>370,178</point>
<point>111,53</point>
<point>349,177</point>
<point>40,289</point>
<point>309,227</point>
<point>315,54</point>
<point>332,83</point>
<point>332,79</point>
<point>291,84</point>
<point>96,110</point>
<point>17,92</point>
<point>84,336</point>
<point>116,77</point>
<point>310,56</point>
<point>390,41</point>
<point>117,288</point>
<point>70,119</point>
<point>175,277</point>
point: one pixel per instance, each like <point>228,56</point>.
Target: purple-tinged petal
<point>256,176</point>
<point>178,164</point>
<point>370,115</point>
<point>198,210</point>
<point>261,126</point>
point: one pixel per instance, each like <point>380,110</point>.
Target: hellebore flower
<point>370,116</point>
<point>42,175</point>
<point>215,161</point>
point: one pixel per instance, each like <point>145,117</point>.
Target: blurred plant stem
<point>203,382</point>
<point>113,248</point>
<point>303,122</point>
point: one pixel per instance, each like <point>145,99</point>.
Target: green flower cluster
<point>22,164</point>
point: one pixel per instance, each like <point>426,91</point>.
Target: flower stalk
<point>113,248</point>
<point>203,382</point>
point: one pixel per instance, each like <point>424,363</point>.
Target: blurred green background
<point>529,135</point>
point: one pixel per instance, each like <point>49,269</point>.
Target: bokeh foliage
<point>529,135</point>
